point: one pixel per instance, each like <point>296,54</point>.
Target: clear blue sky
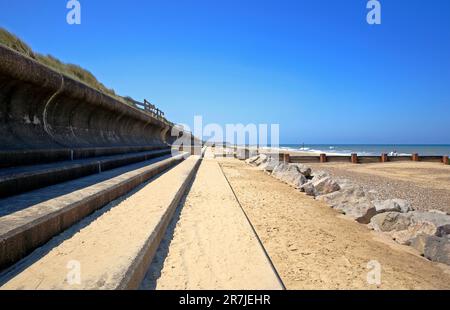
<point>315,67</point>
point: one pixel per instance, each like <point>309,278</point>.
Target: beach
<point>315,247</point>
<point>425,185</point>
<point>310,245</point>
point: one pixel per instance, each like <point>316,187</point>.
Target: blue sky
<point>315,67</point>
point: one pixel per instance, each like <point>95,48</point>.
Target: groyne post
<point>247,153</point>
<point>323,158</point>
<point>286,158</point>
<point>354,158</point>
<point>384,158</point>
<point>415,157</point>
<point>445,160</point>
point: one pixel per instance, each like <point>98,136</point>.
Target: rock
<point>389,221</point>
<point>443,231</point>
<point>392,205</point>
<point>289,174</point>
<point>437,249</point>
<point>251,160</point>
<point>404,227</point>
<point>269,165</point>
<point>262,158</point>
<point>320,174</point>
<point>438,219</point>
<point>292,175</point>
<point>299,181</point>
<point>386,206</point>
<point>308,188</point>
<point>305,170</point>
<point>325,186</point>
<point>419,242</point>
<point>413,230</point>
<point>362,210</point>
<point>279,170</point>
<point>351,201</point>
<point>344,195</point>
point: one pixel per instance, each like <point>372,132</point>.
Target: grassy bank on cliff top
<point>74,71</point>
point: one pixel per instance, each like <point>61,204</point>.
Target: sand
<point>210,244</point>
<point>425,185</point>
<point>313,247</point>
<point>102,248</point>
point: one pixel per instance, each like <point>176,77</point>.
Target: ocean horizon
<point>371,149</point>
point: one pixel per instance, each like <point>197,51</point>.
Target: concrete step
<point>27,157</point>
<point>29,220</point>
<point>18,180</point>
<point>110,249</point>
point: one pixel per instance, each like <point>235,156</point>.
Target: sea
<point>371,149</point>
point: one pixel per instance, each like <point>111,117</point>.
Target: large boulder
<point>262,158</point>
<point>325,185</point>
<point>308,188</point>
<point>299,181</point>
<point>293,176</point>
<point>437,249</point>
<point>351,201</point>
<point>289,174</point>
<point>319,174</point>
<point>344,195</point>
<point>269,165</point>
<point>440,220</point>
<point>419,243</point>
<point>413,230</point>
<point>405,227</point>
<point>391,221</point>
<point>279,170</point>
<point>252,159</point>
<point>392,205</point>
<point>362,210</point>
<point>305,170</point>
<point>443,231</point>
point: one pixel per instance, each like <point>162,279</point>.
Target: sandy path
<point>313,247</point>
<point>425,185</point>
<point>210,244</point>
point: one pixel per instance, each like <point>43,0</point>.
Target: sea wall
<point>43,109</point>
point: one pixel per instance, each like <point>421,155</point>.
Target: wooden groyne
<point>247,152</point>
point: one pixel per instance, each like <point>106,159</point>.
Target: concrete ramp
<point>211,244</point>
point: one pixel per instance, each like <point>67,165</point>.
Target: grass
<point>74,71</point>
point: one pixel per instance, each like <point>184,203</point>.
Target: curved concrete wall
<point>42,109</point>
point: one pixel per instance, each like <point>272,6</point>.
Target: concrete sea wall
<point>43,109</point>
